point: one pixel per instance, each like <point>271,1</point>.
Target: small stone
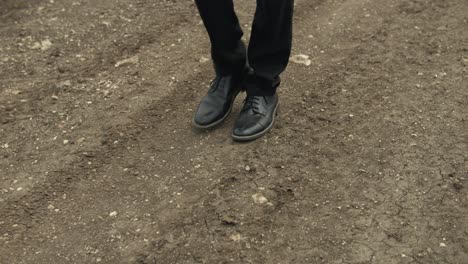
<point>66,83</point>
<point>81,140</point>
<point>443,245</point>
<point>16,92</point>
<point>51,207</point>
<point>259,198</point>
<point>19,189</point>
<point>114,213</point>
<point>128,61</point>
<point>204,60</point>
<point>301,59</point>
<point>65,141</point>
<point>45,45</point>
<point>236,237</point>
<point>54,97</point>
<point>247,168</point>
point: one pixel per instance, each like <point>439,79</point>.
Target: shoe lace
<point>253,102</point>
<point>214,84</point>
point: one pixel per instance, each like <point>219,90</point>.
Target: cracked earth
<point>99,164</point>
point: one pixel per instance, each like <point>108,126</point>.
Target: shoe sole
<point>218,122</point>
<point>261,133</point>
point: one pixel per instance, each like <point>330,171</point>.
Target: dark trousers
<point>270,43</point>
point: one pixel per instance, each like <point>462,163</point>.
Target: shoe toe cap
<point>204,119</point>
<point>247,129</point>
<point>208,113</point>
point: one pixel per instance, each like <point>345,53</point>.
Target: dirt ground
<point>368,162</point>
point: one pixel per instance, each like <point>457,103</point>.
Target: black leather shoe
<point>256,118</point>
<point>216,106</point>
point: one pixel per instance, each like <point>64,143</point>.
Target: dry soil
<point>99,163</point>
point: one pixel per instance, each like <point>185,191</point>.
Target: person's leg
<point>270,45</point>
<point>229,59</point>
<point>268,55</point>
<point>227,50</point>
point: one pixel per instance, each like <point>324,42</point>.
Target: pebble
<point>114,213</point>
<point>259,198</point>
<point>65,142</point>
<point>301,59</point>
<point>45,45</point>
<point>51,207</point>
<point>236,237</point>
<point>63,84</point>
<point>443,245</point>
<point>204,60</point>
<point>128,61</point>
<point>247,168</point>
